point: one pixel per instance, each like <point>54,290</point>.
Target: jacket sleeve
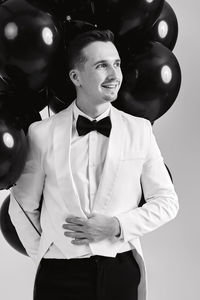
<point>27,193</point>
<point>161,200</point>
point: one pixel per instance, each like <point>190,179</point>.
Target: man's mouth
<point>110,85</point>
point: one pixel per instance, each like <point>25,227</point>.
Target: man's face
<point>100,77</point>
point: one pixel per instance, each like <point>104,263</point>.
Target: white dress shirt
<point>87,157</point>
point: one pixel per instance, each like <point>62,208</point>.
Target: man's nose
<point>112,72</point>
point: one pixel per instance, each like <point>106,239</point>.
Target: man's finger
<point>80,242</point>
<point>76,220</point>
<point>78,235</point>
<point>73,227</point>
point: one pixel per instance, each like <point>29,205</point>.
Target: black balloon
<point>68,9</point>
<point>59,83</point>
<point>122,16</point>
<point>28,118</point>
<point>56,104</point>
<point>29,99</point>
<point>151,83</point>
<point>22,100</point>
<point>165,29</point>
<point>29,39</point>
<point>4,85</point>
<point>13,150</point>
<point>72,28</point>
<point>23,106</point>
<point>7,228</point>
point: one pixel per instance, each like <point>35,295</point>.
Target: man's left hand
<point>94,229</point>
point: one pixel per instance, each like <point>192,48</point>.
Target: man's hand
<point>96,228</point>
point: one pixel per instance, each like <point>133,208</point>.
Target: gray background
<point>171,252</point>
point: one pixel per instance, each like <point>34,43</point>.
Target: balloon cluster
<point>34,35</point>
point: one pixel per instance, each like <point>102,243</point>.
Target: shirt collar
<point>77,112</point>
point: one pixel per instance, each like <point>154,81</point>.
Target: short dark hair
<point>75,54</point>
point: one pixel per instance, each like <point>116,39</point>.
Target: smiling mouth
<point>110,86</point>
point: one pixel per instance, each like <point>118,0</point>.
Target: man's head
<point>94,66</point>
<point>76,55</point>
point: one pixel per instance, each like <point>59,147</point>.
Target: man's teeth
<point>110,86</point>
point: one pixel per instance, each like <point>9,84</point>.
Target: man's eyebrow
<point>105,61</point>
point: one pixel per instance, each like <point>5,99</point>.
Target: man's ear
<point>74,76</point>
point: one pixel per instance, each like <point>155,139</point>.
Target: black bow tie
<point>84,126</point>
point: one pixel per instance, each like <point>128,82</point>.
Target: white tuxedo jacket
<point>132,159</point>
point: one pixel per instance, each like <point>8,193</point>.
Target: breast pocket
<point>131,167</point>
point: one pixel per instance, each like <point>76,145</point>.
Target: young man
<point>89,162</point>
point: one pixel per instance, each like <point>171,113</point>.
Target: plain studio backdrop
<point>171,252</point>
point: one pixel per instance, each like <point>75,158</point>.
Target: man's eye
<point>101,66</point>
<point>117,64</point>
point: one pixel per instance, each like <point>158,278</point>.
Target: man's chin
<point>110,98</point>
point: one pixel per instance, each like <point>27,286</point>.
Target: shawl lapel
<point>112,163</point>
<point>61,144</point>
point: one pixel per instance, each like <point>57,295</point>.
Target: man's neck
<point>92,111</point>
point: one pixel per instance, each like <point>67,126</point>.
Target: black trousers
<point>94,278</point>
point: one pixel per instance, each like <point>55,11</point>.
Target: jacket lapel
<point>61,144</point>
<point>112,162</point>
